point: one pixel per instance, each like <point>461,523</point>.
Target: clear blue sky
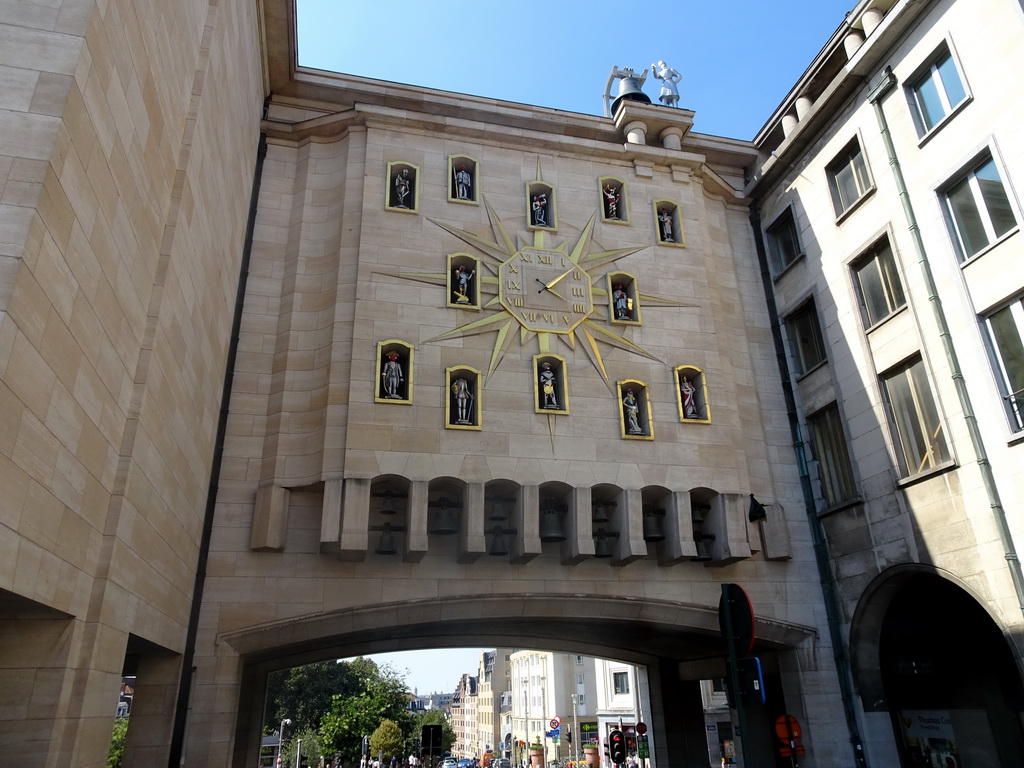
<point>737,58</point>
<point>434,670</point>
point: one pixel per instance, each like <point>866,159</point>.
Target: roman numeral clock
<point>545,290</point>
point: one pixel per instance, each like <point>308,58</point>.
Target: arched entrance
<point>660,635</point>
<point>926,651</point>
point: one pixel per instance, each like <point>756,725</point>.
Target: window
<point>848,178</point>
<point>579,680</point>
<point>1007,329</point>
<point>978,208</point>
<point>620,681</point>
<point>783,244</point>
<point>579,659</point>
<point>805,338</point>
<point>829,444</point>
<point>936,91</point>
<point>922,443</point>
<point>878,283</point>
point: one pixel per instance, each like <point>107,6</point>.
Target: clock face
<point>545,290</point>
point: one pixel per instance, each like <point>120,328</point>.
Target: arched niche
<point>634,405</point>
<point>668,223</point>
<point>394,372</point>
<point>463,281</point>
<point>463,179</point>
<point>541,212</point>
<point>464,401</point>
<point>614,200</point>
<point>623,298</point>
<point>550,385</point>
<point>692,394</point>
<point>402,193</point>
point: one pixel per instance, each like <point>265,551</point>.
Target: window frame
<point>797,348</point>
<point>847,158</point>
<point>968,174</point>
<point>931,71</point>
<point>620,690</point>
<point>831,450</point>
<point>889,277</point>
<point>922,399</point>
<point>1013,400</point>
<point>784,221</point>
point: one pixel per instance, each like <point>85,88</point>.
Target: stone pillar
<point>789,123</point>
<point>636,132</point>
<point>871,19</point>
<point>672,137</point>
<point>803,106</point>
<point>852,42</point>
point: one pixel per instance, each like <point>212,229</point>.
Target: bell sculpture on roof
<point>630,89</point>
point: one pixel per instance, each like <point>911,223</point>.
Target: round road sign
<point>555,722</point>
<point>641,728</point>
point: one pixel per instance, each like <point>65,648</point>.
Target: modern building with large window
<point>888,213</point>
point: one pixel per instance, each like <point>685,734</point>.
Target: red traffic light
<point>617,746</point>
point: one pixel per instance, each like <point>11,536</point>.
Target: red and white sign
<point>555,722</point>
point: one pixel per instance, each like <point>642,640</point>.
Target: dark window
<point>805,338</point>
<point>878,283</point>
<point>829,443</point>
<point>783,243</point>
<point>921,439</point>
<point>848,178</point>
<point>620,681</point>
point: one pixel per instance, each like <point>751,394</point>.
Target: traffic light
<point>617,747</point>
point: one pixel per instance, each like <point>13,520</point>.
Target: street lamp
<point>280,739</point>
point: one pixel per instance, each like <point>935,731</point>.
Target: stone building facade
<point>279,383</point>
<point>887,203</point>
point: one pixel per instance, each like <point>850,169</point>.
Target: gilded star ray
<point>495,255</point>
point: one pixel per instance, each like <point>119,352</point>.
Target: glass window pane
<point>955,92</point>
<point>805,336</point>
<point>969,226</point>
<point>880,288</point>
<point>833,459</point>
<point>928,102</point>
<point>782,242</point>
<point>996,202</point>
<point>1007,327</point>
<point>921,436</point>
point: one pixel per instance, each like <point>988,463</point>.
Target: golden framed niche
<point>394,372</point>
<point>402,190</point>
<point>692,394</point>
<point>463,398</point>
<point>635,422</point>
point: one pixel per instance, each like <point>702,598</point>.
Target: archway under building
<point>927,652</point>
<point>678,644</point>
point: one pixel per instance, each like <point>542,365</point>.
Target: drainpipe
<point>828,589</point>
<point>988,479</point>
<point>177,747</point>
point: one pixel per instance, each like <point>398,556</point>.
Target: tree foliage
<point>303,694</point>
<point>117,738</point>
<point>388,740</point>
<point>379,693</point>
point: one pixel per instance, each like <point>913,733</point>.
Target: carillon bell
<point>630,89</point>
<point>386,543</point>
<point>498,545</point>
<point>445,520</point>
<point>551,525</point>
<point>652,525</point>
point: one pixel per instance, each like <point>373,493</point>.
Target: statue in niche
<point>623,304</point>
<point>669,77</point>
<point>463,285</point>
<point>665,219</point>
<point>463,401</point>
<point>392,376</point>
<point>689,393</point>
<point>548,387</point>
<point>403,188</point>
<point>463,184</point>
<point>540,210</point>
<point>632,412</point>
<point>611,202</point>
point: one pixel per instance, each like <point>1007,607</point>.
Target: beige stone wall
<point>120,254</point>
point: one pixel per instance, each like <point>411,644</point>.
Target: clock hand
<point>552,284</point>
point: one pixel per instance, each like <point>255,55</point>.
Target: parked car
<point>501,762</point>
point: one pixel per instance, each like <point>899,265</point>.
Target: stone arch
<point>922,642</point>
<point>659,634</point>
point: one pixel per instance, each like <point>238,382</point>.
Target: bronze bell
<point>386,543</point>
<point>551,525</point>
<point>600,514</point>
<point>602,549</point>
<point>652,525</point>
<point>701,540</point>
<point>445,520</point>
<point>630,90</point>
<point>498,545</point>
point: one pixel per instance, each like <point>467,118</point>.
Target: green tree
<point>303,694</point>
<point>380,693</point>
<point>312,748</point>
<point>387,741</point>
<point>117,738</point>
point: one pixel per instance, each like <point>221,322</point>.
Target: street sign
<point>555,722</point>
<point>641,728</point>
<point>642,749</point>
<point>787,729</point>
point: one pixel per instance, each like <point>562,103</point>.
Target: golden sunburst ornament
<point>551,293</point>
